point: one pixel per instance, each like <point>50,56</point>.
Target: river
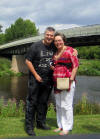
<point>16,87</point>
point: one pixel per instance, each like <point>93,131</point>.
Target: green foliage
<point>1,104</point>
<point>20,29</point>
<point>11,109</point>
<point>20,109</point>
<point>0,28</point>
<point>89,67</point>
<point>4,64</point>
<point>51,110</point>
<point>5,68</point>
<point>6,73</point>
<point>2,38</point>
<point>84,107</point>
<point>89,52</point>
<point>30,28</point>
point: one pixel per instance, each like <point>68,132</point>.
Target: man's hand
<point>38,78</point>
<point>32,69</point>
<point>52,67</point>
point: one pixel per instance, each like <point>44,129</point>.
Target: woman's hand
<point>75,53</point>
<point>71,80</point>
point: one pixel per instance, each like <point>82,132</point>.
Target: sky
<point>60,14</point>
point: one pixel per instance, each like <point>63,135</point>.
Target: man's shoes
<point>30,132</point>
<point>43,126</point>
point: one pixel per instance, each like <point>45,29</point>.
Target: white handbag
<point>62,83</point>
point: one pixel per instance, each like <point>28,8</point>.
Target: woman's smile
<point>59,43</point>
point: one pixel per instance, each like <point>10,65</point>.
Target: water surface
<point>16,87</point>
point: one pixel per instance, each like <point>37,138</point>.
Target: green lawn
<point>83,124</point>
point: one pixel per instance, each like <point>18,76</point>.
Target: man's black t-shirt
<point>41,55</point>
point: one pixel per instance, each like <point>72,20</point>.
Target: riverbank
<point>13,125</point>
<point>87,67</point>
<point>5,68</point>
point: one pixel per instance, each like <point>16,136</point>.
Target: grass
<point>86,124</point>
<point>89,67</point>
<point>11,127</point>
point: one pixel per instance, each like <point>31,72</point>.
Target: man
<point>40,81</point>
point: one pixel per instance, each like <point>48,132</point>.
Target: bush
<point>89,67</point>
<point>84,107</point>
<point>5,68</point>
<point>89,52</point>
<point>11,109</point>
<point>51,110</point>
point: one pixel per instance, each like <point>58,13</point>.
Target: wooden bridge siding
<point>73,41</point>
<point>84,41</point>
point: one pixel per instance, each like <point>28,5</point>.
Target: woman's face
<point>58,41</point>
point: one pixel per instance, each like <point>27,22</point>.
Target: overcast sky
<point>60,14</point>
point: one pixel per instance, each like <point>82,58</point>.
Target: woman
<point>65,65</point>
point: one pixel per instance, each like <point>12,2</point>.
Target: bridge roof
<point>71,32</point>
<point>82,31</point>
<point>21,42</point>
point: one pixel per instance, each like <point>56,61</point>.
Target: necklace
<point>58,54</point>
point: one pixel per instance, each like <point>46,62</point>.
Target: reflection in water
<point>16,87</point>
<point>19,87</point>
<point>13,87</point>
<point>5,88</point>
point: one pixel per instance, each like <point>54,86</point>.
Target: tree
<point>30,28</point>
<point>2,38</point>
<point>20,29</point>
<point>0,28</point>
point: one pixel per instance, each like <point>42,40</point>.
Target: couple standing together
<point>42,78</point>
